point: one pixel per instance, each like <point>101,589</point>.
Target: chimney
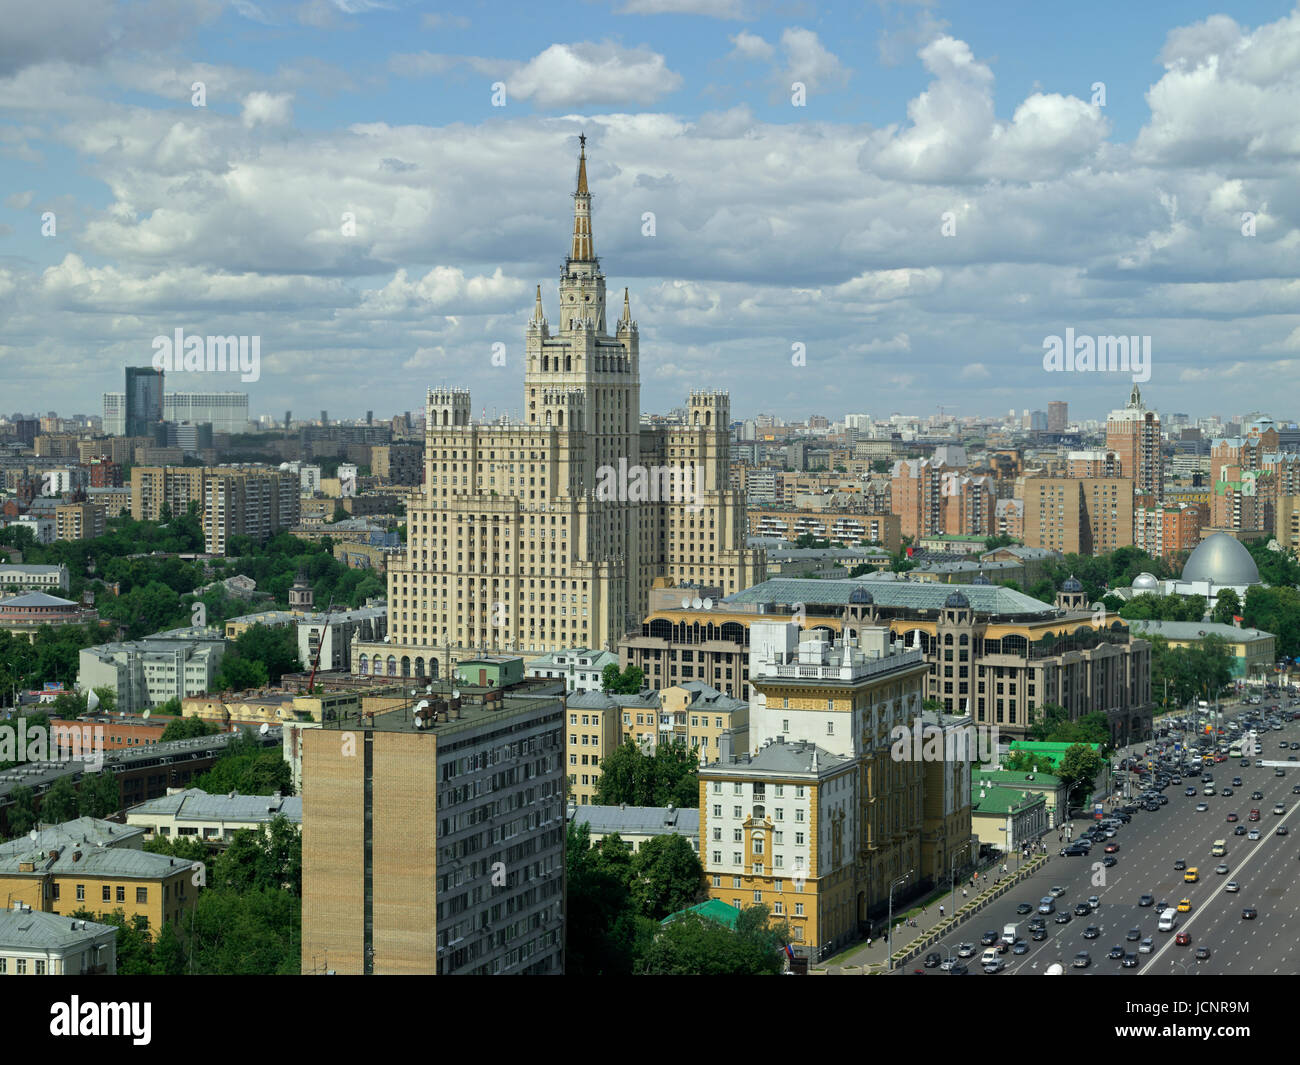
<point>725,749</point>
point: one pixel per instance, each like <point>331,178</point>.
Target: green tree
<point>694,946</point>
<point>100,795</point>
<point>621,682</point>
<point>666,876</point>
<point>60,802</point>
<point>134,945</point>
<point>22,811</point>
<point>601,924</point>
<point>1078,768</point>
<point>185,728</point>
<point>1227,606</point>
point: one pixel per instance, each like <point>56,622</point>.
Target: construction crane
<point>320,646</point>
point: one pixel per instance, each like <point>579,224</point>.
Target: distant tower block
<point>301,596</point>
<point>710,410</point>
<point>448,406</point>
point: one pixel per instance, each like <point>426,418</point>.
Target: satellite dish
<point>423,704</point>
<point>686,604</point>
<point>146,714</point>
<point>33,835</point>
<point>92,701</point>
<point>696,603</point>
<point>428,689</point>
<point>264,729</point>
<point>708,604</point>
<point>455,693</point>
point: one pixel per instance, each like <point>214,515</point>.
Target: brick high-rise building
<point>1133,433</point>
<point>78,521</point>
<point>253,501</point>
<point>433,836</point>
<point>938,496</point>
<point>549,533</point>
<point>1058,416</point>
<point>1078,515</point>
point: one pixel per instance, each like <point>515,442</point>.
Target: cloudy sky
<point>918,194</point>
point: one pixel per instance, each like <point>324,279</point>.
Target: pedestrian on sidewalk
<point>940,911</point>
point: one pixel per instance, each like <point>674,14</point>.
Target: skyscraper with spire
<point>513,548</point>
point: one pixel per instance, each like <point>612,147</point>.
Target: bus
<point>1235,750</point>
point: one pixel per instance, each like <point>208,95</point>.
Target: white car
<point>1201,807</point>
<point>1253,834</point>
<point>1232,886</point>
<point>1146,946</point>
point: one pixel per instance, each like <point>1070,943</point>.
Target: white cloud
<point>728,9</point>
<point>751,46</point>
<point>807,60</point>
<point>267,109</point>
<point>574,75</point>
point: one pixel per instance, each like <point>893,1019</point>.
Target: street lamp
<point>889,934</point>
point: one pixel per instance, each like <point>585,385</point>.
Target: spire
<point>537,311</point>
<point>627,308</point>
<point>582,249</point>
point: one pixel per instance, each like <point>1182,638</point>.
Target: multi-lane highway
<point>1267,872</point>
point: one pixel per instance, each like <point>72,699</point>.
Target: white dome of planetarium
<point>1222,560</point>
<point>1145,582</point>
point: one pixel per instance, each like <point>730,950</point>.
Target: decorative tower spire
<point>627,309</point>
<point>537,310</point>
<point>583,250</point>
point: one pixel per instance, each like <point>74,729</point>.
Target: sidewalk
<point>864,959</point>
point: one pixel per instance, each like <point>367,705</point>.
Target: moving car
<point>1134,934</point>
<point>1082,960</point>
<point>1180,865</point>
<point>1279,808</point>
<point>1232,886</point>
<point>1129,961</point>
<point>1184,905</point>
<point>1182,939</point>
<point>1192,875</point>
<point>1253,834</point>
<point>1201,807</point>
<point>1056,892</point>
<point>1249,913</point>
<point>1221,868</point>
<point>1063,917</point>
<point>1146,900</point>
<point>1202,953</point>
<point>1020,947</point>
<point>1281,830</point>
<point>1091,932</point>
<point>1047,904</point>
<point>1024,908</point>
<point>966,950</point>
<point>1147,945</point>
<point>1116,952</point>
<point>933,960</point>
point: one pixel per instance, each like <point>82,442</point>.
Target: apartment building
<point>35,943</point>
<point>1078,515</point>
<point>148,672</point>
<point>1133,435</point>
<point>433,836</point>
<point>79,521</point>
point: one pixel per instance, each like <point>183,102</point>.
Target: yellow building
<point>777,828</point>
<point>697,715</point>
<point>820,725</point>
<point>100,867</point>
<point>592,731</point>
<point>78,521</point>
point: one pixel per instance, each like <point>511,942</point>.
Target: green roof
<point>1036,747</point>
<point>1017,778</point>
<point>713,910</point>
<point>1001,801</point>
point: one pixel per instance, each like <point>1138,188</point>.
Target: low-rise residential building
<point>35,943</point>
<point>211,819</point>
<point>26,578</point>
<point>100,867</point>
<point>148,672</point>
<point>331,635</point>
<point>634,825</point>
<point>580,667</point>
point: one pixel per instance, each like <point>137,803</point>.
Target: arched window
<point>419,667</point>
<point>364,664</point>
<point>392,666</point>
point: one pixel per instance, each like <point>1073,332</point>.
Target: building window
<point>108,893</point>
<point>81,892</point>
<point>141,894</point>
<point>798,909</point>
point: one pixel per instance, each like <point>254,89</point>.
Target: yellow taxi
<point>1185,906</point>
<point>1192,875</point>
